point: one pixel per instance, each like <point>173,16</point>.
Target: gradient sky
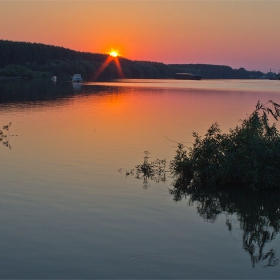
<point>235,33</point>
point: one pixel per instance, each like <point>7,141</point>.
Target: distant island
<point>33,60</point>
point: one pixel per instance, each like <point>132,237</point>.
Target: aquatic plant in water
<point>154,170</point>
<point>5,136</point>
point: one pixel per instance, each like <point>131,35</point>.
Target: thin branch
<point>176,141</point>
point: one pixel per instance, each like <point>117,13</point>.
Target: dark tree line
<point>32,60</point>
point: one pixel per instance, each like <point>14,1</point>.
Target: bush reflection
<point>258,214</point>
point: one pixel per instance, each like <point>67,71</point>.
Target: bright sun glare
<point>114,54</point>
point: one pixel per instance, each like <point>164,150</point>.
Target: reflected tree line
<point>39,91</point>
<point>257,213</point>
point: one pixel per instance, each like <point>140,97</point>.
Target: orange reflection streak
<point>106,63</point>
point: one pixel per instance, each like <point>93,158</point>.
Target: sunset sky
<point>235,33</point>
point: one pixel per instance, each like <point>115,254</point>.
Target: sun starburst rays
<point>113,56</point>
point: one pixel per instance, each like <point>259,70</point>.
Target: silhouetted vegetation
<point>31,60</point>
<point>246,158</point>
<point>235,174</point>
<point>256,213</point>
<point>5,135</point>
<point>154,170</point>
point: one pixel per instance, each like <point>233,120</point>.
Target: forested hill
<point>32,60</point>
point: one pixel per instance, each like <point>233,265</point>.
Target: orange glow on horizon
<point>173,32</point>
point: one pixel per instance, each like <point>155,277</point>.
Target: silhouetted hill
<point>217,71</point>
<point>32,60</point>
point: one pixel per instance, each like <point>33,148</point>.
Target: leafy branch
<point>275,111</point>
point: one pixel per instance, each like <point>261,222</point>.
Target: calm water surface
<point>68,210</point>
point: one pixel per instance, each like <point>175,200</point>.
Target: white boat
<point>77,78</point>
<point>54,78</point>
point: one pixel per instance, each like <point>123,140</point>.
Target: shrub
<point>247,157</point>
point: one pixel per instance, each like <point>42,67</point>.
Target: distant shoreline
<point>32,60</point>
<point>13,78</point>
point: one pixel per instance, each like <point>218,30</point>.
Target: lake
<point>70,210</point>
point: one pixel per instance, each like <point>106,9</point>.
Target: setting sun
<point>114,54</point>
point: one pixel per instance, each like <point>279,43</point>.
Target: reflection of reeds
<point>5,137</point>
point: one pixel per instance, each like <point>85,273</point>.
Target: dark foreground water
<point>68,210</point>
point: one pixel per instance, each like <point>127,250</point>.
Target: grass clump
<point>247,157</point>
